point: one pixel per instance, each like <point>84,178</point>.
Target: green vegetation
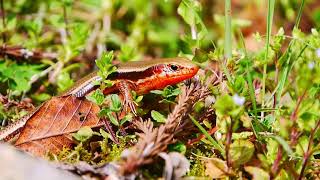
<point>261,119</point>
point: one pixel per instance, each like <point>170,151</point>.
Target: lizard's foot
<point>125,88</point>
<point>129,104</point>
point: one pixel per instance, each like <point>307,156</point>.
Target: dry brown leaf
<point>48,129</point>
<point>216,168</point>
<point>257,173</point>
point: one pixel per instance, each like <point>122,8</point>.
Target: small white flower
<point>238,100</point>
<point>26,53</point>
<point>218,135</point>
<point>209,100</point>
<point>311,65</point>
<point>318,52</point>
<point>126,153</point>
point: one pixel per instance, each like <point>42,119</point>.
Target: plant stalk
<point>269,29</point>
<point>4,24</point>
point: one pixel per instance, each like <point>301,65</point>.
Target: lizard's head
<point>158,73</point>
<point>174,70</point>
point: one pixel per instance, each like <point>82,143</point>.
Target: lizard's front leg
<point>125,88</point>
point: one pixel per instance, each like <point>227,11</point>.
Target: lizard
<point>138,76</point>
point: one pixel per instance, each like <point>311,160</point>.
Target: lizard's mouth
<point>184,76</point>
<point>187,82</point>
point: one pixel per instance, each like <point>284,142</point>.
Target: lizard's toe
<point>132,106</point>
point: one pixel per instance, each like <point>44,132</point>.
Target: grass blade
<point>228,40</point>
<point>286,68</point>
<point>214,143</point>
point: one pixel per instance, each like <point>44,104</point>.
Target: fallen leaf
<point>216,168</point>
<point>49,128</point>
<point>257,173</point>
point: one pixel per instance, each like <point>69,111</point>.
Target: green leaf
<point>108,113</point>
<point>96,97</point>
<point>179,147</point>
<point>167,92</point>
<point>200,56</point>
<point>83,134</point>
<point>77,39</point>
<point>158,117</point>
<point>199,106</point>
<point>225,105</point>
<point>241,151</point>
<point>41,97</point>
<point>138,99</point>
<point>127,53</point>
<point>104,64</point>
<point>159,92</point>
<point>67,2</point>
<point>104,134</point>
<point>112,119</point>
<point>303,145</point>
<point>188,10</point>
<point>115,103</point>
<point>239,84</point>
<point>283,143</point>
<point>18,76</point>
<point>125,119</point>
<point>64,81</point>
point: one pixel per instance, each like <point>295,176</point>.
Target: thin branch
<point>110,131</point>
<point>293,116</point>
<point>21,53</point>
<point>18,52</point>
<point>228,143</point>
<point>35,77</point>
<point>308,153</point>
<point>202,136</point>
<point>65,18</point>
<point>275,166</point>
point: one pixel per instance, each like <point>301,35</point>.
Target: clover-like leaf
<point>241,151</point>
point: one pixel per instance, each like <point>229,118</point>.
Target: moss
<point>79,153</point>
<point>115,151</point>
<point>197,168</point>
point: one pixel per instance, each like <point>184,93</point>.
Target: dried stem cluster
<point>154,140</point>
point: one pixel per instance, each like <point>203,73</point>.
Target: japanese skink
<point>139,76</point>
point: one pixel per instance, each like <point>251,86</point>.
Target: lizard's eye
<point>174,67</point>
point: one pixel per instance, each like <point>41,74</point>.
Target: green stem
<point>4,38</point>
<point>228,43</point>
<point>269,28</point>
<point>228,40</point>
